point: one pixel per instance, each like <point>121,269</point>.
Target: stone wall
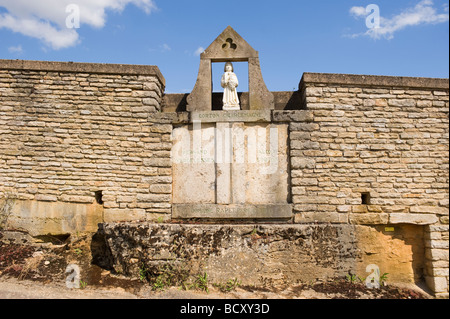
<point>387,140</point>
<point>74,131</point>
<point>375,151</point>
<point>82,144</point>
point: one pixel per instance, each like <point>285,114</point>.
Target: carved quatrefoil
<point>229,44</point>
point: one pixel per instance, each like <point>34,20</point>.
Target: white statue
<point>230,83</point>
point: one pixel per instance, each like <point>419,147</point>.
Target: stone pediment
<point>229,46</point>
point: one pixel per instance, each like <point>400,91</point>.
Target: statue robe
<point>230,97</point>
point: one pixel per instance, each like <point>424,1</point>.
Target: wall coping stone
<point>374,80</point>
<point>82,67</point>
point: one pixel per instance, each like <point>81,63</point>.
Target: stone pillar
<point>437,259</point>
<point>200,98</point>
<point>260,97</point>
<point>224,156</point>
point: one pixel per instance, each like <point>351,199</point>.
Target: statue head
<point>229,67</point>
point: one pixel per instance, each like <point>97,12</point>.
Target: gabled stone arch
<point>230,46</point>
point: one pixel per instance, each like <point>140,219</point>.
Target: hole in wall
<point>365,198</point>
<point>99,197</point>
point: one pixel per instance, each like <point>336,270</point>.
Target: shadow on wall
<point>284,100</point>
<point>397,250</point>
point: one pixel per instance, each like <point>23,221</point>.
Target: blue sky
<point>292,36</point>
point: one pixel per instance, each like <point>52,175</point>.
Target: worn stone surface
<point>397,250</point>
<point>262,255</point>
<point>256,255</point>
<point>51,218</point>
<point>418,219</point>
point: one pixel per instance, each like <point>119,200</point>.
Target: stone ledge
<point>169,118</point>
<point>292,116</point>
<point>417,219</point>
<point>216,211</point>
<point>81,67</point>
<point>374,80</point>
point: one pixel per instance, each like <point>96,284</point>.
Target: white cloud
<point>421,14</point>
<point>199,51</point>
<point>165,47</point>
<point>46,19</point>
<point>17,49</point>
<point>358,11</point>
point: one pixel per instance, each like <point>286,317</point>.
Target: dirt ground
<point>35,268</point>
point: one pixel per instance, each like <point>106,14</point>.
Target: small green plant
<point>161,282</point>
<point>201,282</point>
<point>160,220</point>
<point>230,285</point>
<point>142,273</point>
<point>383,278</point>
<point>83,284</point>
<point>167,276</point>
<point>78,251</point>
<point>352,278</point>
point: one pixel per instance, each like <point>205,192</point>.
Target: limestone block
<point>301,163</point>
<point>76,199</point>
<point>153,198</point>
<point>437,284</point>
<point>46,198</point>
<point>436,254</point>
<point>418,219</point>
<point>295,116</point>
<point>321,217</point>
<point>402,102</point>
<point>429,210</point>
<point>314,91</point>
<point>161,188</point>
<point>116,214</point>
<point>344,208</point>
<point>55,218</point>
<point>369,219</point>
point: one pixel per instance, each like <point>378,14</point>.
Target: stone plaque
<point>216,211</point>
<point>231,163</point>
<point>232,116</point>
